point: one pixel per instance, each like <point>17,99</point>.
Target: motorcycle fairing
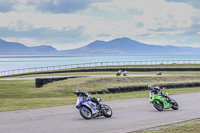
<point>85,103</point>
<point>160,98</point>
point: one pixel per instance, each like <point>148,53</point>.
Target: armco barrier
<point>39,82</point>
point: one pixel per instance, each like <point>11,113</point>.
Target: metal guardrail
<point>95,64</point>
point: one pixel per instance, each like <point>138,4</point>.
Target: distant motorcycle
<point>160,102</point>
<point>159,73</point>
<point>89,109</point>
<point>118,74</point>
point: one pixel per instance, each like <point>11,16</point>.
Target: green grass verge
<point>187,127</point>
<point>102,83</point>
<point>108,73</point>
<point>21,94</point>
<point>26,88</point>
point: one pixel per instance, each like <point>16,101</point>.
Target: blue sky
<point>68,24</point>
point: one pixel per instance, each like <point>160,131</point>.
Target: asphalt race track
<point>128,115</point>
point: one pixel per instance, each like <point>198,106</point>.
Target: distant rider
<point>157,90</point>
<point>125,73</point>
<point>118,73</point>
<point>87,96</point>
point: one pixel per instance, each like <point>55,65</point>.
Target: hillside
<point>120,46</point>
<point>13,48</point>
<point>126,46</point>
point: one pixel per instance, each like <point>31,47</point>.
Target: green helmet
<point>79,91</point>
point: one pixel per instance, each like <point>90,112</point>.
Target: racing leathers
<point>157,90</point>
<point>87,96</point>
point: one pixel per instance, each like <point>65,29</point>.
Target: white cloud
<point>161,14</point>
<point>137,19</point>
<point>154,14</point>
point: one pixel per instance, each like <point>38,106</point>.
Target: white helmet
<point>150,86</point>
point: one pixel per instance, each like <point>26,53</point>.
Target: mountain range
<point>13,48</point>
<point>119,46</point>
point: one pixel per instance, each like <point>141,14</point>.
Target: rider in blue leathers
<point>87,96</point>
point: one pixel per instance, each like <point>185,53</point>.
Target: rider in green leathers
<point>157,90</point>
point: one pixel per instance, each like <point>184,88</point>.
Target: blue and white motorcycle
<point>89,109</point>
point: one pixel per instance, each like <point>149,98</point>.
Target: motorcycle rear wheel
<point>85,113</point>
<point>158,105</point>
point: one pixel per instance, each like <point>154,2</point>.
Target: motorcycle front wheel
<point>107,112</point>
<point>174,105</point>
<point>85,112</point>
<point>158,105</point>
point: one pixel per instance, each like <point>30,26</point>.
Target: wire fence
<point>96,64</point>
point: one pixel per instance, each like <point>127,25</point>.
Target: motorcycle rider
<point>125,73</point>
<point>118,73</point>
<point>87,96</point>
<point>157,90</point>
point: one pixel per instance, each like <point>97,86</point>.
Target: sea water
<point>21,62</point>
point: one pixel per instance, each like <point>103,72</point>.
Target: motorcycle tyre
<point>175,107</point>
<point>156,106</point>
<point>105,112</point>
<point>83,114</point>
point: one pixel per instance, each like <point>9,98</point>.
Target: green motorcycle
<point>161,101</point>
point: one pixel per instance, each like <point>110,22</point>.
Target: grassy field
<point>22,94</point>
<point>108,73</point>
<point>192,126</point>
<point>102,83</point>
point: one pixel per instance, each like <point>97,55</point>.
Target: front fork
<point>162,99</point>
